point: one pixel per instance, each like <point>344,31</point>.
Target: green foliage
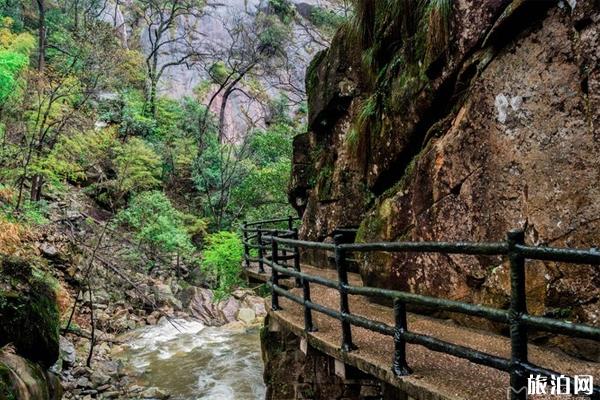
<point>273,33</point>
<point>284,9</point>
<point>138,167</point>
<point>14,57</point>
<point>31,214</point>
<point>219,72</point>
<point>327,20</point>
<point>263,192</point>
<point>221,261</point>
<point>248,180</point>
<point>11,65</point>
<point>271,145</point>
<point>158,224</point>
<point>133,120</point>
<point>75,157</point>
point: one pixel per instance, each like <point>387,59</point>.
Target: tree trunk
<point>36,187</point>
<point>152,97</point>
<point>41,35</point>
<point>226,95</point>
<point>153,75</point>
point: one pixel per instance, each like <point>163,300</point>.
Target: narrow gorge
<point>299,199</point>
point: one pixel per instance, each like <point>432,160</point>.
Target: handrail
<point>514,248</point>
<point>271,221</point>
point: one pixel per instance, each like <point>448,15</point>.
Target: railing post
<point>261,253</point>
<point>283,252</point>
<point>518,307</point>
<point>246,247</point>
<point>274,276</point>
<point>400,366</point>
<point>296,257</point>
<point>340,262</point>
<point>290,223</point>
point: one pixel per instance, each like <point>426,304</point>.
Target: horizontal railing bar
<point>271,221</point>
<point>345,230</point>
<point>489,313</point>
<point>371,325</point>
<point>492,314</point>
<point>252,245</point>
<point>577,256</point>
<point>562,327</point>
<point>303,243</point>
<point>310,278</point>
<point>472,355</point>
<point>310,304</point>
<point>467,248</point>
<point>270,231</point>
<point>429,342</point>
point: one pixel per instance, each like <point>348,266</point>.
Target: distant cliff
<point>460,120</point>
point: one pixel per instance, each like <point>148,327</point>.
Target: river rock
<point>228,309</point>
<point>257,304</point>
<point>246,315</point>
<point>48,250</point>
<point>68,354</point>
<point>84,382</point>
<point>154,393</point>
<point>200,303</point>
<point>99,378</point>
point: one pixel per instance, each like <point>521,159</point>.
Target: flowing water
<point>191,361</point>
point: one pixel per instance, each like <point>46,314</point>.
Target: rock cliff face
<point>460,124</point>
<point>29,334</point>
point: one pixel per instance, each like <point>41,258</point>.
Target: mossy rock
<point>7,391</point>
<point>21,379</point>
<point>29,316</point>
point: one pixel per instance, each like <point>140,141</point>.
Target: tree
<point>221,261</point>
<point>247,179</point>
<point>73,63</point>
<point>168,27</point>
<point>255,47</point>
<point>158,224</point>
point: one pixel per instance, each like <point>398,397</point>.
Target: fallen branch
<point>86,335</point>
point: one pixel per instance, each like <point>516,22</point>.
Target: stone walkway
<point>435,375</point>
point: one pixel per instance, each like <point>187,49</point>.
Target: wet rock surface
<point>202,306</point>
<point>498,132</point>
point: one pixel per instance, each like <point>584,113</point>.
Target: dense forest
<point>82,109</point>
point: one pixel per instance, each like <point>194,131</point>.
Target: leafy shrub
<point>221,261</point>
<point>138,166</point>
<point>158,224</point>
<point>327,20</point>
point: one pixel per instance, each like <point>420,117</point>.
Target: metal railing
<point>275,245</point>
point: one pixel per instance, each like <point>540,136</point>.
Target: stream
<point>191,361</point>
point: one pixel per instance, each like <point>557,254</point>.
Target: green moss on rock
<point>29,316</point>
<point>7,392</point>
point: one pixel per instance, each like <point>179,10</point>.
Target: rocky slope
<point>460,124</point>
<point>39,357</point>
